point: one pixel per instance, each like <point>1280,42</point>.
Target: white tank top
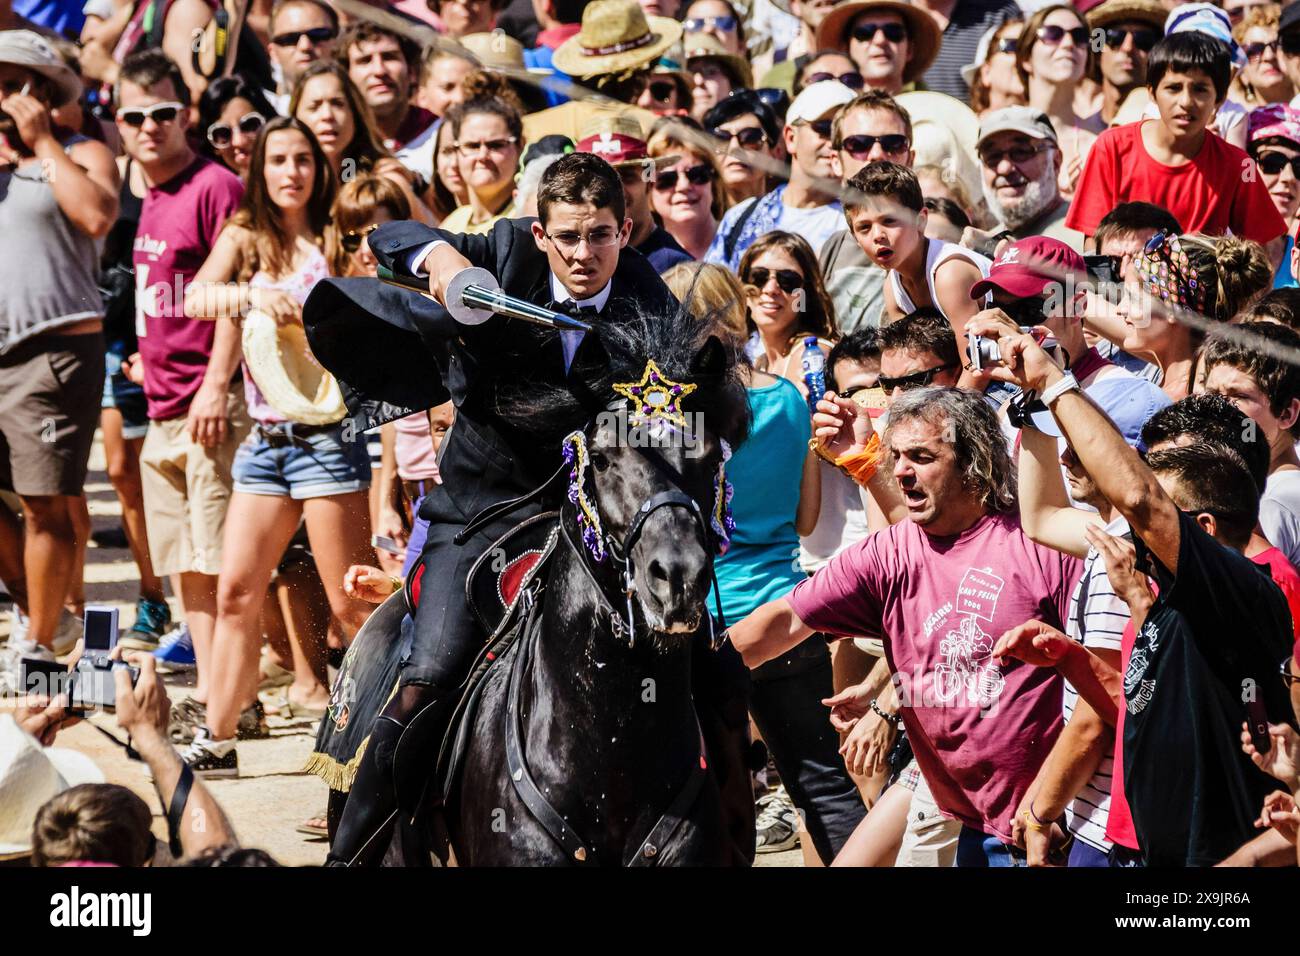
<point>937,252</point>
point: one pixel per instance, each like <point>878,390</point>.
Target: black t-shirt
<point>1215,635</point>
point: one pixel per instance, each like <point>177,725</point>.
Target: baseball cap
<point>1027,268</point>
<point>1127,400</point>
<point>1208,19</point>
<point>1017,119</point>
<point>817,100</point>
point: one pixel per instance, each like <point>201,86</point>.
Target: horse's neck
<point>596,678</point>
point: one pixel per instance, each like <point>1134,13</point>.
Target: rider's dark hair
<point>581,178</point>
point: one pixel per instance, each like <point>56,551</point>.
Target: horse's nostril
<point>658,571</point>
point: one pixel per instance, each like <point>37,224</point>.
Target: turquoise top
<point>766,472</point>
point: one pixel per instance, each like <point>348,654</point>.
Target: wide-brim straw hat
<point>288,375</point>
<point>30,776</point>
<point>572,118</point>
<point>921,29</point>
<point>33,52</point>
<point>498,51</point>
<point>1118,11</point>
<point>616,37</point>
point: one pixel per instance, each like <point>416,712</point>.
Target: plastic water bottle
<point>814,371</point>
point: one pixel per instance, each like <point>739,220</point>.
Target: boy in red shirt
<point>1174,162</point>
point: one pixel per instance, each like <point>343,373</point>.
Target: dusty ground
<point>272,795</point>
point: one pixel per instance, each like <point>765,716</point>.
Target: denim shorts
<point>124,395</point>
<point>313,466</point>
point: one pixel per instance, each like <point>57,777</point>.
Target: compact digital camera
<point>91,684</point>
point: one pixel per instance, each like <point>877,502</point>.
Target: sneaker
<point>69,630</point>
<point>777,823</point>
<point>211,758</point>
<point>175,650</point>
<point>186,715</point>
<point>18,629</point>
<point>252,723</point>
<point>152,620</point>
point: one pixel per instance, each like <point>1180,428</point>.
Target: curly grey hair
<point>970,423</point>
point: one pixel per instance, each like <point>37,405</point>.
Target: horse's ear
<point>711,359</point>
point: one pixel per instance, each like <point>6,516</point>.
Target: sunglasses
<point>700,24</point>
<point>749,137</point>
<point>853,81</point>
<point>914,380</point>
<point>1017,154</point>
<point>221,135</point>
<point>352,241</point>
<point>1007,45</point>
<point>134,116</point>
<point>697,176</point>
<point>1254,51</point>
<point>1143,40</point>
<point>1273,163</point>
<point>787,279</point>
<point>661,91</point>
<point>861,144</point>
<point>871,395</point>
<point>866,32</point>
<point>1052,35</point>
<point>821,127</point>
<point>316,35</point>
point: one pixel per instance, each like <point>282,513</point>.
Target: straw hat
<point>286,372</point>
<point>702,46</point>
<point>572,118</point>
<point>498,51</point>
<point>616,37</point>
<point>921,29</point>
<point>33,52</point>
<point>1118,11</point>
<point>30,776</point>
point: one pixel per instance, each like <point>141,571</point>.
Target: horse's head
<point>648,485</point>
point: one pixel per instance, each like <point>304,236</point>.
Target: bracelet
<point>1067,383</point>
<point>894,719</point>
<point>860,466</point>
<point>1037,819</point>
<point>1031,821</point>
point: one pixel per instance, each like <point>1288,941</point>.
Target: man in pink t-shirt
<point>196,419</point>
<point>939,589</point>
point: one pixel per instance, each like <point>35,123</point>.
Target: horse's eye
<point>599,460</point>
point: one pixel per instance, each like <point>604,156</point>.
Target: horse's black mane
<point>683,348</point>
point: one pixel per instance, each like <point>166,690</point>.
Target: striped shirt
<point>1099,624</point>
<point>969,20</point>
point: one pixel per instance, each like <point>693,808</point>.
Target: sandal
<point>316,826</point>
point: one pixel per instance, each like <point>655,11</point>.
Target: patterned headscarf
<point>1169,276</point>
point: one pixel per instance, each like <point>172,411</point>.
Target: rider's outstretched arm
<point>768,632</point>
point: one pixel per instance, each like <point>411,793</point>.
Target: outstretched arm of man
<point>768,632</point>
<point>1120,474</point>
<point>1040,644</point>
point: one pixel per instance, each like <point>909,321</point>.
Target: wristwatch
<point>1067,383</point>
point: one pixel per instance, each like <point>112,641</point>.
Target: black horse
<point>583,742</point>
<point>585,746</point>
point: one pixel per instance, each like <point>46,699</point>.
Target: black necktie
<point>571,308</point>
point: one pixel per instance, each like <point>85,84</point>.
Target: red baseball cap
<point>615,148</point>
<point>1028,267</point>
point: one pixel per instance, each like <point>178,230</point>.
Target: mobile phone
<point>1257,724</point>
<point>384,543</point>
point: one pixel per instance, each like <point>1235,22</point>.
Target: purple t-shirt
<point>179,222</point>
<point>979,731</point>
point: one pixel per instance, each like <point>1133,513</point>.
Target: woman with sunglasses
<point>267,258</point>
<point>328,102</point>
<point>994,81</point>
<point>689,196</point>
<point>489,138</point>
<point>718,19</point>
<point>231,113</point>
<point>1211,277</point>
<point>745,126</point>
<point>1052,58</point>
<point>1274,144</point>
<point>787,304</point>
<point>1262,80</point>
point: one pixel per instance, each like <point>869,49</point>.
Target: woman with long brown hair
<point>267,258</point>
<point>787,304</point>
<point>329,103</point>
